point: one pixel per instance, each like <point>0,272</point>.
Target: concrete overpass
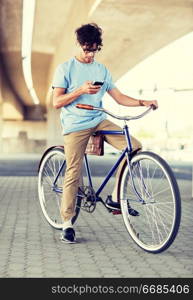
<point>133,30</point>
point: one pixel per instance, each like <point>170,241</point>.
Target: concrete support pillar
<point>54,130</point>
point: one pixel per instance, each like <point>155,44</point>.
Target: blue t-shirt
<point>71,75</point>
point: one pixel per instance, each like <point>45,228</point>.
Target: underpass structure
<point>38,35</point>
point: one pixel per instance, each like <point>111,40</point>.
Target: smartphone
<point>98,83</point>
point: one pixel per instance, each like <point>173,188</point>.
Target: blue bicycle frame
<point>127,152</point>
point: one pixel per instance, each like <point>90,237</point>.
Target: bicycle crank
<point>88,201</point>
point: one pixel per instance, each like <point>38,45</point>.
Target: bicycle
<point>146,186</point>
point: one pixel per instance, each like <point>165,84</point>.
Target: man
<point>73,84</point>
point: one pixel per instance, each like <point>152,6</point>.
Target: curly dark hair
<point>89,34</point>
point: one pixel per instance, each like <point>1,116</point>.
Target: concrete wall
<point>24,136</point>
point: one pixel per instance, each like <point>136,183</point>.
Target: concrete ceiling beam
<point>133,30</point>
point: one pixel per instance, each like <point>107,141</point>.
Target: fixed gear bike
<point>146,186</point>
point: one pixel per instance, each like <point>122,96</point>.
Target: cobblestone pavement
<point>29,247</point>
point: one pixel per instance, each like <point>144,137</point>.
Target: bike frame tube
<point>88,172</point>
<point>111,132</point>
<point>127,152</point>
<point>128,139</point>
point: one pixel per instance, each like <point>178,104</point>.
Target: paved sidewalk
<point>29,247</point>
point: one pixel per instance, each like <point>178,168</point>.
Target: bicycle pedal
<point>116,212</point>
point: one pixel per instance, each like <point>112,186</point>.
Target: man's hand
<point>61,98</point>
<point>149,103</point>
<point>89,88</point>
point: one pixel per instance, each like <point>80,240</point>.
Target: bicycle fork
<point>144,186</point>
<point>128,156</point>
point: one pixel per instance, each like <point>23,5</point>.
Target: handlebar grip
<point>84,106</point>
<point>153,106</point>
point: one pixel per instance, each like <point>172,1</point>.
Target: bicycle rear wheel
<point>157,225</point>
<point>50,186</point>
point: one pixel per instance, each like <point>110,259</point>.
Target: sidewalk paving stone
<point>29,247</point>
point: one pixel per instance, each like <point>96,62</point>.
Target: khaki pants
<point>74,146</point>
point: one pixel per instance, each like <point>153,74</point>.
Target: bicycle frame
<point>126,152</point>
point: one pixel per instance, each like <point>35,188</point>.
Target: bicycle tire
<point>50,200</point>
<point>158,222</point>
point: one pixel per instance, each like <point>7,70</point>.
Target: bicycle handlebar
<point>126,118</point>
<point>85,106</point>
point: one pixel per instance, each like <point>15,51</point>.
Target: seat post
<point>88,172</point>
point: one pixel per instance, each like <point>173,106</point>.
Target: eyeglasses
<point>87,50</point>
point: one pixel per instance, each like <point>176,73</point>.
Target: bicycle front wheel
<point>50,186</point>
<point>154,195</point>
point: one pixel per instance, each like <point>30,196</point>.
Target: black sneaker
<point>111,204</point>
<point>116,206</point>
<point>68,235</point>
